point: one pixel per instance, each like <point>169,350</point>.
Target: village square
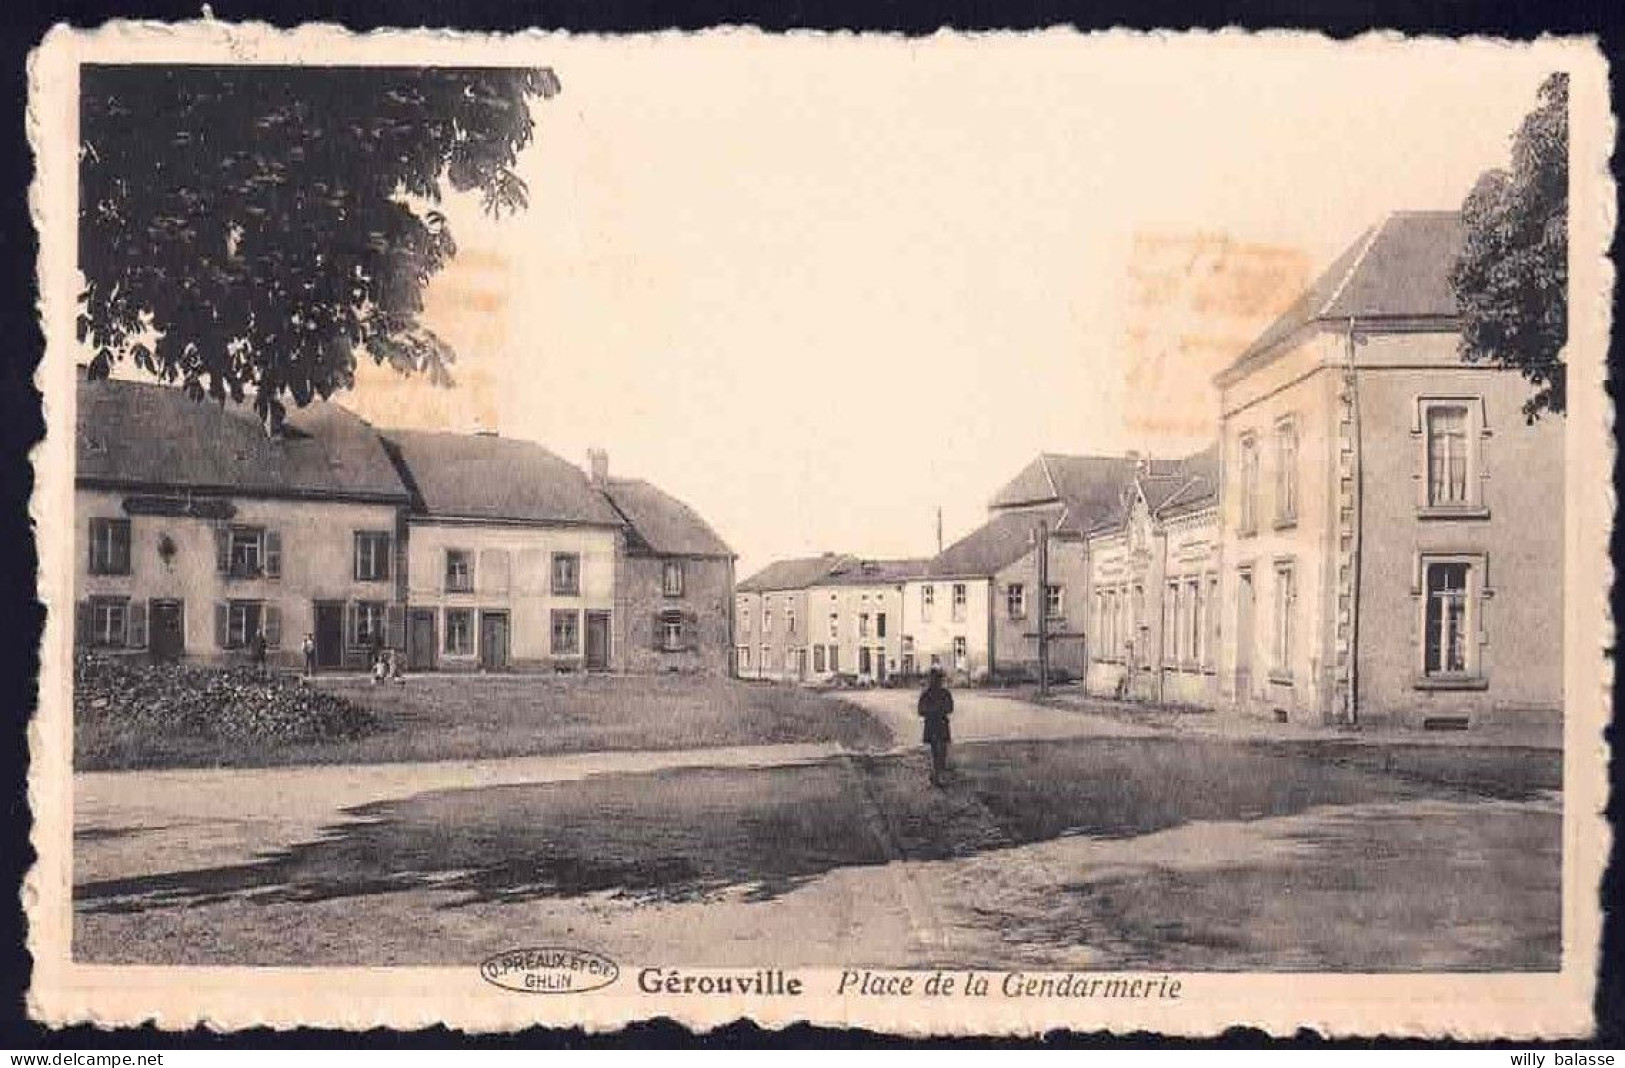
<point>1286,697</point>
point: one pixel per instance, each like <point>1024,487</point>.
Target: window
<point>928,599</point>
<point>671,631</point>
<point>743,653</point>
<point>1015,600</point>
<point>1195,647</point>
<point>566,632</point>
<point>459,632</point>
<point>459,571</point>
<point>1247,493</point>
<point>767,618</point>
<point>567,573</point>
<point>790,619</point>
<point>961,654</point>
<point>1170,624</point>
<point>1286,594</point>
<point>763,663</point>
<point>110,547</point>
<point>671,578</point>
<point>1211,624</point>
<point>834,659</point>
<point>865,660</point>
<point>818,659</point>
<point>1286,472</point>
<point>109,618</point>
<point>369,622</point>
<point>246,556</point>
<point>1054,602</point>
<point>1448,650</point>
<point>863,624</point>
<point>1447,455</point>
<point>835,624</point>
<point>371,556</point>
<point>744,618</point>
<point>880,624</point>
<point>959,601</point>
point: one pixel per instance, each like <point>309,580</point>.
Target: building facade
<point>855,630</point>
<point>674,586</point>
<point>511,558</point>
<point>1154,587</point>
<point>1392,528</point>
<point>776,624</point>
<point>196,530</point>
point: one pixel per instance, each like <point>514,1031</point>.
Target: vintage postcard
<point>974,534</point>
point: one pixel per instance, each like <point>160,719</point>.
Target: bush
<point>126,695</point>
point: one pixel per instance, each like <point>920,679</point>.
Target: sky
<point>821,286</point>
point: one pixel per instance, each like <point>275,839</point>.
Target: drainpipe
<point>1352,712</point>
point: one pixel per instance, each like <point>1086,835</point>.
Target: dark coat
<point>936,705</point>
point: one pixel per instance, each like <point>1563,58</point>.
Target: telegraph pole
<point>1043,608</point>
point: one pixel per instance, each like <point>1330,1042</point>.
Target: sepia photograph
<point>947,535</point>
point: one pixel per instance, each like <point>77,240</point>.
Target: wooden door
<point>494,641</point>
<point>420,651</point>
<point>597,641</point>
<point>166,635</point>
<point>329,635</point>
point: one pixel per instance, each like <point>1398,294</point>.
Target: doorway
<point>597,641</point>
<point>1244,638</point>
<point>493,641</point>
<point>166,638</point>
<point>329,634</point>
<point>420,644</point>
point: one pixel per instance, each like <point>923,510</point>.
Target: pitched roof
<point>150,434</point>
<point>991,547</point>
<point>480,476</point>
<point>1087,486</point>
<point>793,574</point>
<point>1192,485</point>
<point>659,523</point>
<point>1398,269</point>
<point>851,571</point>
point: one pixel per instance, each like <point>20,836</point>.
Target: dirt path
<point>985,717</point>
<point>138,822</point>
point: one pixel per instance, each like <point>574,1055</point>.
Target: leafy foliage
<point>256,227</point>
<point>1511,280</point>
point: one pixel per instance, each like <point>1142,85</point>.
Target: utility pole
<point>1043,608</point>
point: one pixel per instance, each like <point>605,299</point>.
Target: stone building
<point>1392,528</point>
<point>674,586</point>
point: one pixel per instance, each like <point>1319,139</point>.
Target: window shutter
<point>691,630</point>
<point>273,626</point>
<point>222,632</point>
<point>81,623</point>
<point>222,550</point>
<point>389,547</point>
<point>352,624</point>
<point>657,632</point>
<point>273,554</point>
<point>396,626</point>
<point>135,625</point>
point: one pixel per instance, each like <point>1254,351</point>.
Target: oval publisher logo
<point>549,970</point>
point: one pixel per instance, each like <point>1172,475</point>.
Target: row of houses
<point>197,530</point>
<point>1377,534</point>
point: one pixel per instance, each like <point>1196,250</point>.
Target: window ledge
<point>1452,512</point>
<point>1246,532</point>
<point>1281,678</point>
<point>1451,682</point>
<point>1286,522</point>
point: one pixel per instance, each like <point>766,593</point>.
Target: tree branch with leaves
<point>252,229</point>
<point>1512,277</point>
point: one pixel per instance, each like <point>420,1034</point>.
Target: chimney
<point>598,467</point>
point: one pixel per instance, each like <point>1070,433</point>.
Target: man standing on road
<point>310,655</point>
<point>936,705</point>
